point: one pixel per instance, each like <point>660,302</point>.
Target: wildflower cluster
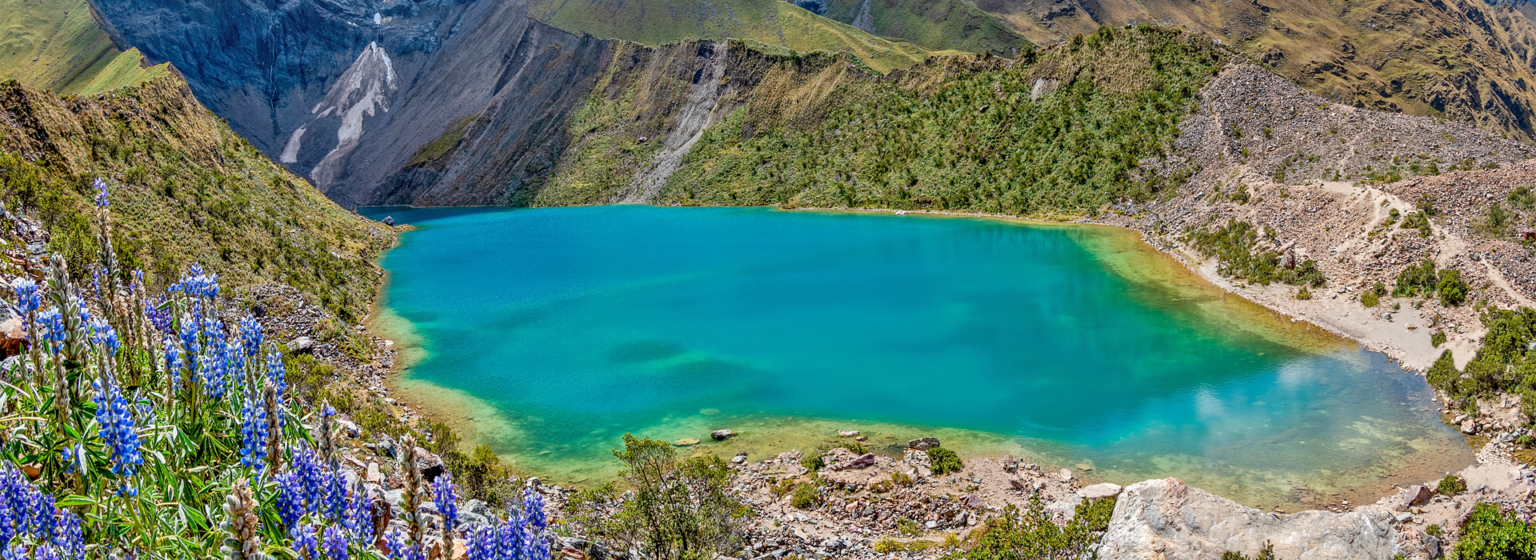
<point>164,423</point>
<point>520,537</point>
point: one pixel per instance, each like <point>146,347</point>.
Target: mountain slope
<point>938,26</point>
<point>186,190</point>
<point>1461,59</point>
<point>771,22</point>
<point>58,45</point>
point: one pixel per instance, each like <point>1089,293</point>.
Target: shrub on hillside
<point>944,461</point>
<point>1451,485</point>
<point>1490,534</point>
<point>805,496</point>
<point>1030,533</point>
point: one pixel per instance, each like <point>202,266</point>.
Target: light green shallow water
<point>550,333</point>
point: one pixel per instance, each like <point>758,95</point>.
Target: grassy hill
<point>769,22</point>
<point>187,190</point>
<point>931,24</point>
<point>58,45</point>
<point>1060,132</point>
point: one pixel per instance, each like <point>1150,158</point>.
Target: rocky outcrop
<point>1168,519</point>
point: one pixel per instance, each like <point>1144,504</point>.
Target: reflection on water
<point>550,333</point>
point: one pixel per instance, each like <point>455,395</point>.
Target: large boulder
<point>1168,519</point>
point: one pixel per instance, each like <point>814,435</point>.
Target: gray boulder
<point>1168,519</point>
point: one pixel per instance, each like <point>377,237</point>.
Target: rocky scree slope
<point>1341,186</point>
<point>186,190</point>
<point>1467,60</point>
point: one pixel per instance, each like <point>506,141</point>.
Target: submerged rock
<point>1168,519</point>
<point>686,442</point>
<point>923,444</point>
<point>721,435</point>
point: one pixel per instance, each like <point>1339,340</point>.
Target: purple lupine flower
<point>250,336</point>
<point>215,359</point>
<point>479,544</point>
<point>70,538</point>
<point>335,543</point>
<point>116,424</point>
<point>290,498</point>
<point>104,336</point>
<point>253,434</point>
<point>304,541</point>
<point>447,500</point>
<point>533,510</point>
<point>74,458</point>
<point>402,549</point>
<point>44,515</point>
<point>51,326</point>
<point>45,552</point>
<point>276,373</point>
<point>29,297</point>
<point>335,506</point>
<point>16,551</point>
<point>159,316</point>
<point>359,518</point>
<point>102,190</point>
<point>511,536</point>
<point>310,477</point>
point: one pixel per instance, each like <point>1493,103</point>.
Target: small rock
<point>302,345</point>
<point>1469,427</point>
<point>721,435</point>
<point>738,459</point>
<point>1419,495</point>
<point>389,220</point>
<point>374,475</point>
<point>923,444</point>
<point>1066,475</point>
<point>847,433</point>
<point>931,525</point>
<point>686,442</point>
<point>1100,490</point>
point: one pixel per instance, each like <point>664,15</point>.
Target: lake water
<point>549,333</point>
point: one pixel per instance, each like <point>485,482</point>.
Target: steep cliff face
<point>350,93</point>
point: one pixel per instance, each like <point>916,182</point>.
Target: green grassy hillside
<point>57,45</point>
<point>931,24</point>
<point>187,190</point>
<point>770,22</point>
<point>961,133</point>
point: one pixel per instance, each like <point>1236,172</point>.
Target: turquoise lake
<point>549,333</point>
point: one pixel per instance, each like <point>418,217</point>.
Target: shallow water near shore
<point>549,333</point>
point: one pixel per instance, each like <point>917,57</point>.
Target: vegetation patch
<point>1236,246</point>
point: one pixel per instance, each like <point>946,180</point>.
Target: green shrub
<point>908,527</point>
<point>679,509</point>
<point>1451,485</point>
<point>1266,552</point>
<point>1490,534</point>
<point>1452,289</point>
<point>805,496</point>
<point>1443,374</point>
<point>1434,531</point>
<point>901,479</point>
<point>1303,293</point>
<point>944,461</point>
<point>1030,533</point>
<point>1418,221</point>
<point>1419,279</point>
<point>813,463</point>
<point>1233,246</point>
<point>1495,222</point>
<point>1437,339</point>
<point>1522,197</point>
